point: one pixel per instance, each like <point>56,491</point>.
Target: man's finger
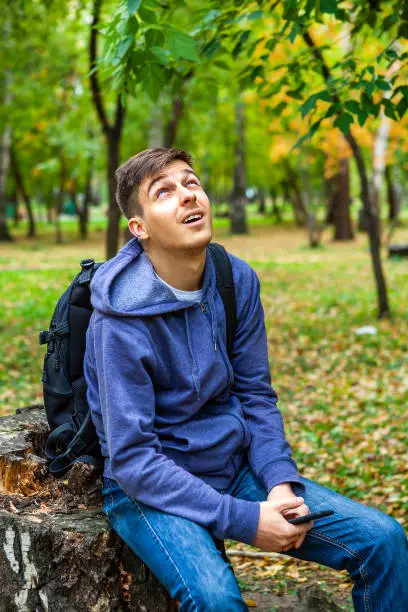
<point>288,504</point>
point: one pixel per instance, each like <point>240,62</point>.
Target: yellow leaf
<point>250,603</point>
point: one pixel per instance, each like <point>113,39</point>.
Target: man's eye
<point>162,190</point>
<point>193,182</point>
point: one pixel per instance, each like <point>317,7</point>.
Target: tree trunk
<point>57,550</point>
<point>83,210</point>
<point>340,206</point>
<point>373,230</point>
<point>13,199</point>
<point>392,196</point>
<point>238,199</point>
<point>296,198</point>
<point>171,128</point>
<point>275,210</point>
<point>112,241</point>
<point>262,202</point>
<point>5,144</point>
<point>112,132</point>
<point>31,232</point>
<point>59,200</point>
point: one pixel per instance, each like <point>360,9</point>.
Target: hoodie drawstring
<point>212,318</point>
<point>196,379</point>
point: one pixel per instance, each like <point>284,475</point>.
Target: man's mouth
<point>193,218</point>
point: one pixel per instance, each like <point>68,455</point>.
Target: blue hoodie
<point>174,416</point>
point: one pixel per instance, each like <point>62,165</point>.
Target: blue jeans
<point>370,545</point>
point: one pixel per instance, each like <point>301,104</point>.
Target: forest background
<point>295,113</point>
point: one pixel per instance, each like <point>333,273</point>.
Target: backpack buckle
<point>85,275</point>
<point>44,337</point>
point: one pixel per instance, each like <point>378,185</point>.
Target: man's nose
<point>186,195</point>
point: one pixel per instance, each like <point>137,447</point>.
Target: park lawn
<point>343,395</point>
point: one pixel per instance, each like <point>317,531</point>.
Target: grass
<point>343,395</point>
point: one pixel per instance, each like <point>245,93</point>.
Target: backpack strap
<point>225,287</point>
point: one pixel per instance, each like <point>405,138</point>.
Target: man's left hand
<point>284,492</point>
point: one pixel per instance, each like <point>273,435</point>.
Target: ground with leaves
<point>343,395</point>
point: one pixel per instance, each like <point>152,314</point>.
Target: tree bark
<point>275,210</point>
<point>340,203</point>
<point>262,201</point>
<point>171,128</point>
<point>370,211</point>
<point>31,232</point>
<point>83,210</point>
<point>5,144</point>
<point>393,197</point>
<point>59,200</point>
<point>112,133</point>
<point>238,198</point>
<point>295,197</point>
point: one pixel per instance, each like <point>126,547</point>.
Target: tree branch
<point>349,136</point>
<point>119,115</point>
<point>95,87</point>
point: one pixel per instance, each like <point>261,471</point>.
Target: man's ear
<point>137,227</point>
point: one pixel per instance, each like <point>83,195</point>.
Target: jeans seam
<point>354,554</point>
<point>165,550</point>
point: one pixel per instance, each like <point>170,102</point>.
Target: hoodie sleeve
<point>269,453</point>
<point>118,366</point>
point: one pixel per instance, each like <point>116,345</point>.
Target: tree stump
<point>57,551</point>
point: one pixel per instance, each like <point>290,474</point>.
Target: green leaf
<point>382,85</point>
<point>390,110</point>
<point>293,33</point>
<point>181,45</point>
<point>309,134</point>
<point>154,37</point>
<point>343,122</point>
<point>133,6</point>
<point>295,94</point>
<point>255,15</point>
<point>310,103</point>
<point>389,21</point>
<point>123,48</point>
<point>403,30</point>
<point>210,48</point>
<point>132,25</point>
<point>147,15</point>
<point>278,109</point>
<point>152,79</point>
<point>402,107</point>
<point>242,40</point>
<point>328,6</point>
<point>161,55</point>
<point>139,58</point>
<point>362,117</point>
<point>352,106</point>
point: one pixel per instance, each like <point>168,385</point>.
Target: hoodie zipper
<point>204,310</point>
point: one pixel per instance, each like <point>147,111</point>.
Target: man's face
<point>177,213</point>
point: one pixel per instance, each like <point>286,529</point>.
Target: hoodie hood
<point>127,286</point>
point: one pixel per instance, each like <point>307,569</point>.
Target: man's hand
<point>284,492</point>
<point>274,533</point>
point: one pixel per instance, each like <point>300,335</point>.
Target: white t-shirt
<point>184,296</point>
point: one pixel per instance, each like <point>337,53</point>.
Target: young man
<point>193,441</point>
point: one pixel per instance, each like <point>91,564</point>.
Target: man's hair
<point>130,175</point>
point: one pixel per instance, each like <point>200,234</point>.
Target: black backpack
<point>73,437</point>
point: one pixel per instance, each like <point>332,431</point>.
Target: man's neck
<point>181,270</point>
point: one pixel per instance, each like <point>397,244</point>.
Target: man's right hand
<point>275,533</point>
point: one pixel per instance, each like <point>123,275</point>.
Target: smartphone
<point>310,517</point>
